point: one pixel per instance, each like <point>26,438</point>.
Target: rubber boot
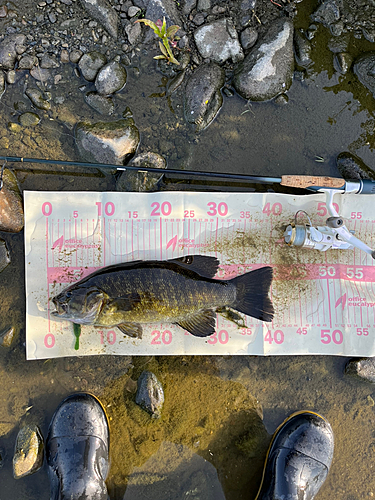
<point>77,450</point>
<point>298,459</point>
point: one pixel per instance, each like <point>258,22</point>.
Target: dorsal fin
<point>204,265</point>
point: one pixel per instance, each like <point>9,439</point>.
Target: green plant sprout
<point>167,36</point>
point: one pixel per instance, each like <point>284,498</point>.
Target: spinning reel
<point>334,235</point>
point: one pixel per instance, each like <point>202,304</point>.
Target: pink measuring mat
<point>324,301</point>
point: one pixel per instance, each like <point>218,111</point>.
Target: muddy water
<point>223,409</point>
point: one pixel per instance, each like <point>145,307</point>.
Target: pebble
<point>150,394</point>
<point>111,78</point>
<point>27,62</point>
<point>29,451</point>
<point>7,336</point>
<point>36,97</point>
<point>75,56</point>
<point>2,83</point>
<point>29,119</point>
<point>90,64</point>
<point>102,104</point>
<point>11,76</point>
<point>248,38</point>
<point>133,11</point>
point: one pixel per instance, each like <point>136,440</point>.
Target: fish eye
<point>68,295</point>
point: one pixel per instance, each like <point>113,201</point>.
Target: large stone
<point>268,69</point>
<point>11,211</point>
<point>10,47</point>
<point>219,41</point>
<point>104,13</point>
<point>102,142</point>
<point>111,78</point>
<point>364,68</point>
<point>203,98</point>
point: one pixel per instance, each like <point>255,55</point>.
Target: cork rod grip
<point>305,181</point>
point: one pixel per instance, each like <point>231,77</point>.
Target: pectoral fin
<point>131,329</point>
<point>200,325</point>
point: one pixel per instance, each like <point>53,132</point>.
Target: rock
<point>29,119</point>
<point>4,255</point>
<point>203,100</point>
<point>248,38</point>
<point>342,62</point>
<point>7,336</point>
<point>27,62</point>
<point>268,69</point>
<point>104,13</point>
<point>133,11</point>
<point>189,5</point>
<point>102,104</point>
<point>111,78</point>
<point>2,83</point>
<point>10,47</point>
<point>363,368</point>
<point>11,76</point>
<point>40,74</point>
<point>150,394</point>
<point>328,12</point>
<point>47,62</point>
<point>28,454</point>
<point>112,142</point>
<point>75,56</point>
<point>353,168</point>
<point>64,56</point>
<point>11,211</point>
<point>90,64</point>
<point>2,456</point>
<point>36,97</point>
<point>131,180</point>
<point>364,68</point>
<point>203,5</point>
<point>302,50</point>
<point>134,32</point>
<point>218,41</point>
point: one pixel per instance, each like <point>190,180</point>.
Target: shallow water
<point>214,405</point>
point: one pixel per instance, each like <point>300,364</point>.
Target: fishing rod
<point>334,235</point>
<point>312,183</point>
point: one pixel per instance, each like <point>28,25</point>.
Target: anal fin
<point>201,324</point>
<point>131,329</point>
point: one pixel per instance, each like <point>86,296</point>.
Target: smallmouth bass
<point>179,291</point>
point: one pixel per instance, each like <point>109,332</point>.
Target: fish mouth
<point>59,309</point>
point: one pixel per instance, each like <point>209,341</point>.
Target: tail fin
<point>252,294</point>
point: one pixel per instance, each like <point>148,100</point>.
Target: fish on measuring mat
<point>180,291</point>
